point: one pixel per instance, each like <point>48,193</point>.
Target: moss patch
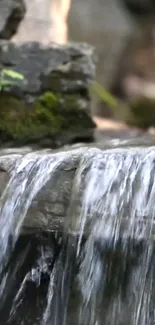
<point>50,115</point>
<point>142,113</point>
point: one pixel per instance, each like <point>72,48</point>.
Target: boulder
<point>11,14</point>
<point>51,105</point>
<point>53,196</point>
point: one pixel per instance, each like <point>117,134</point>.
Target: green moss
<point>142,112</point>
<point>49,115</point>
<point>49,99</point>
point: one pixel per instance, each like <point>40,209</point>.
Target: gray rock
<point>11,14</point>
<point>56,85</point>
<point>73,65</point>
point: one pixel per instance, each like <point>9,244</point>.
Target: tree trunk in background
<point>59,15</point>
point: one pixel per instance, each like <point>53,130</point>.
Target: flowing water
<point>102,269</point>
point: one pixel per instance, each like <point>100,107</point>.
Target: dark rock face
<point>139,7</point>
<point>26,255</point>
<point>51,104</point>
<point>11,14</point>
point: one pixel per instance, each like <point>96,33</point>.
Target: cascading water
<point>118,203</point>
<point>105,260</point>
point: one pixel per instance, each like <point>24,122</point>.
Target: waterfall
<point>106,255</point>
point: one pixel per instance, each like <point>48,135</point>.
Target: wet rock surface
<point>11,14</point>
<point>56,202</point>
<point>51,105</point>
<point>29,265</point>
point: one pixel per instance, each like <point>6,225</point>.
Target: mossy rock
<point>141,113</point>
<point>50,117</point>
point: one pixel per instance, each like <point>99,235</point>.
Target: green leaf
<point>5,83</point>
<point>12,74</point>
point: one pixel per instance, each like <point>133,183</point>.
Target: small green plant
<point>9,77</point>
<point>104,96</point>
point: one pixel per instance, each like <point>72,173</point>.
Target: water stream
<point>101,270</point>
